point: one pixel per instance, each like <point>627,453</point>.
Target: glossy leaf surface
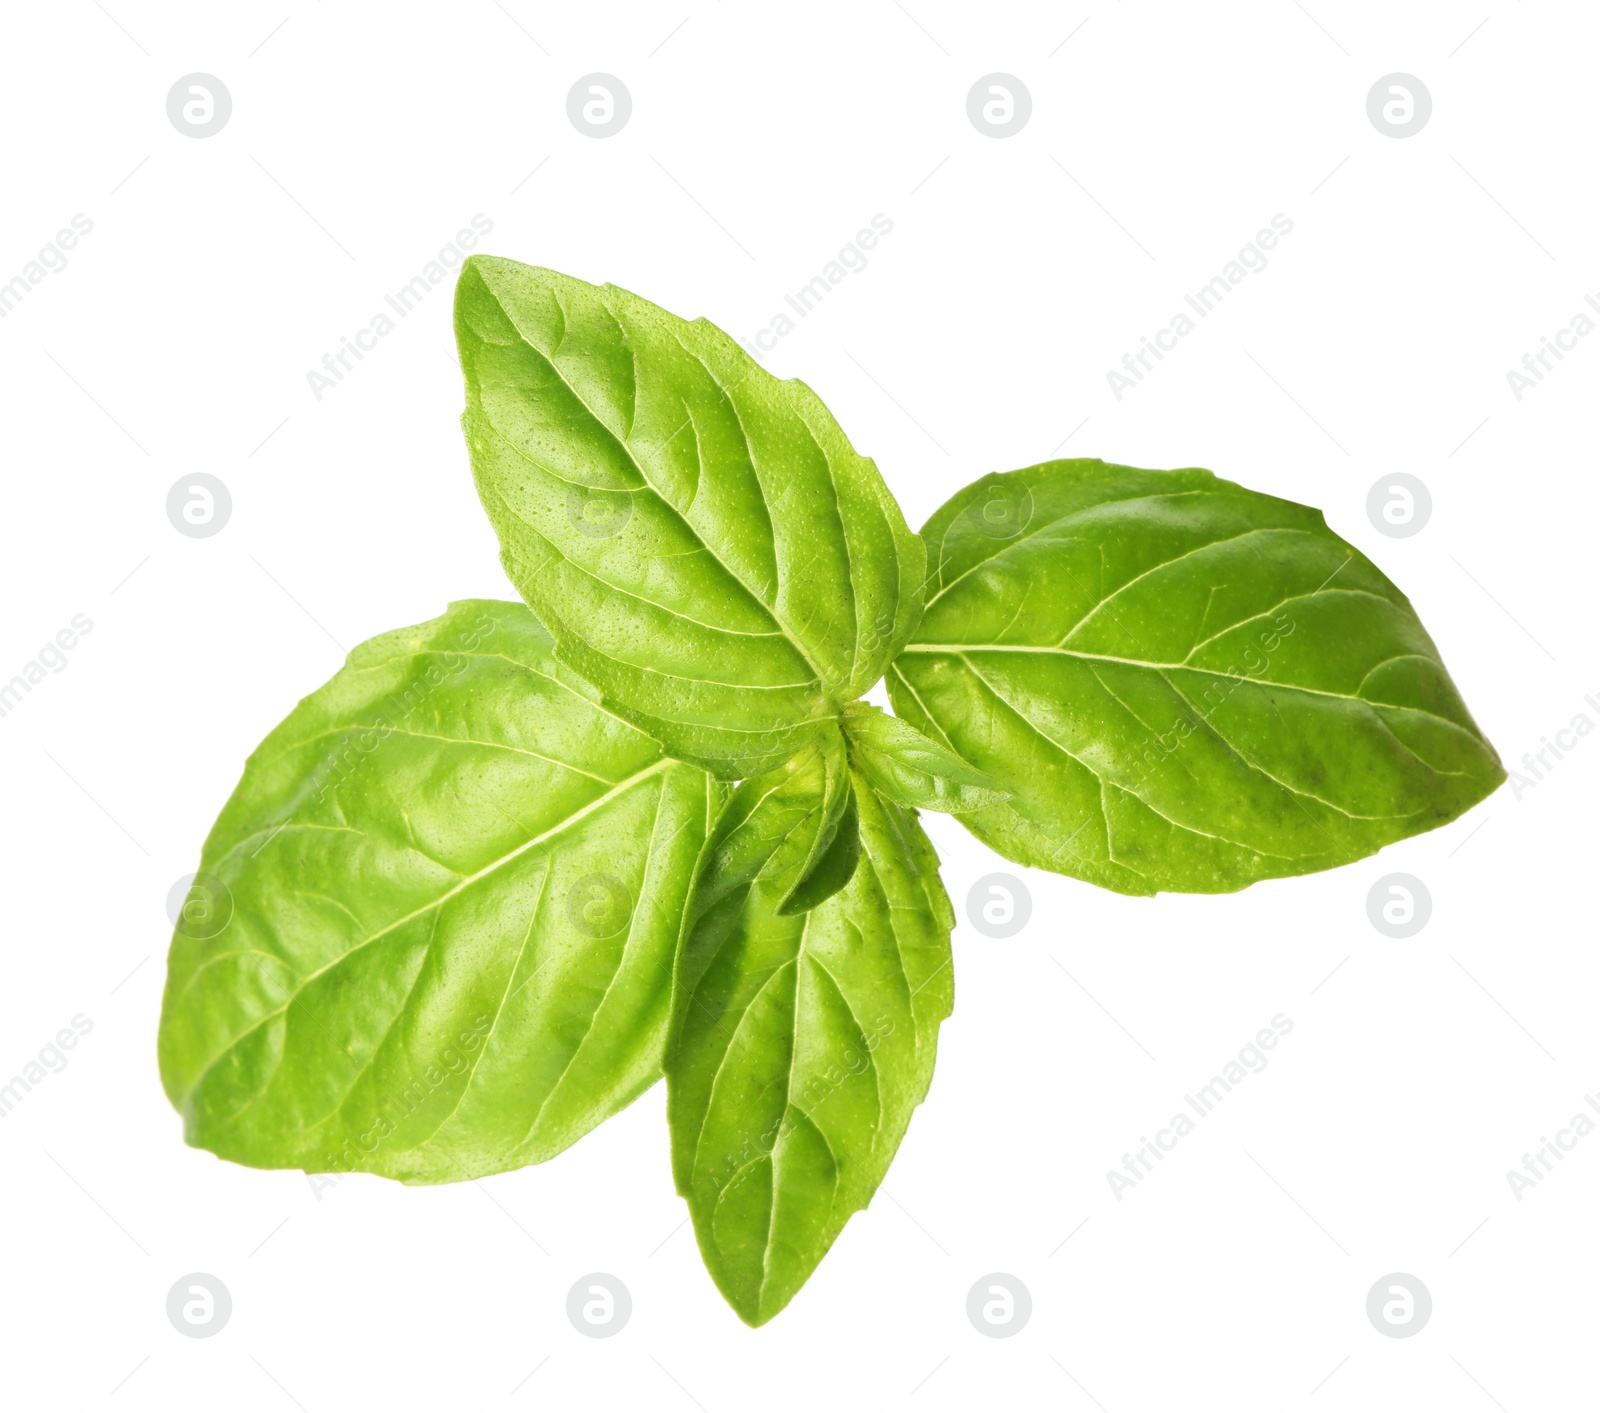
<point>1184,684</point>
<point>434,928</point>
<point>802,1043</point>
<point>699,536</point>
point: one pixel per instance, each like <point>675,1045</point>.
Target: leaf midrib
<point>667,609</point>
<point>966,649</point>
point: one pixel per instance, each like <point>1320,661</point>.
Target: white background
<point>177,340</point>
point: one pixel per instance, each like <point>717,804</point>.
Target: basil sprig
<point>506,869</point>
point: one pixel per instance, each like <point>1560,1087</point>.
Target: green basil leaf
<point>434,928</point>
<point>906,767</point>
<point>699,536</point>
<point>801,1043</point>
<point>1184,684</point>
<point>835,867</point>
<point>795,826</point>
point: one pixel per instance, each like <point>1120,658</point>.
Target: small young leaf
<point>801,1046</point>
<point>836,866</point>
<point>833,846</point>
<point>1185,684</point>
<point>795,826</point>
<point>700,537</point>
<point>903,765</point>
<point>433,929</point>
